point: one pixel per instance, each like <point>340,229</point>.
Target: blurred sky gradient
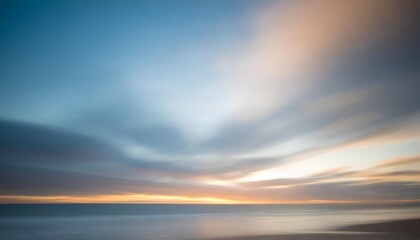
<point>209,101</point>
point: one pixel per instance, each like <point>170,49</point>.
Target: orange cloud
<point>400,162</point>
<point>123,198</point>
<point>296,43</point>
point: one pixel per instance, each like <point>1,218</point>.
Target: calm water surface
<point>176,222</point>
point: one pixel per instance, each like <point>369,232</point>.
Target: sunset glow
<point>219,102</point>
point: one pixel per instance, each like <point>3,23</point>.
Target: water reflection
<point>261,220</point>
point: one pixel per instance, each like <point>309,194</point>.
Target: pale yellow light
<point>126,198</point>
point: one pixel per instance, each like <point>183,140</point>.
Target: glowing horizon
<point>158,199</point>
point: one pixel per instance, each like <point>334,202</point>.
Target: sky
<point>209,101</point>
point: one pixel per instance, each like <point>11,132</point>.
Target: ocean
<point>184,221</point>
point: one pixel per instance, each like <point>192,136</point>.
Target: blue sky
<point>209,101</point>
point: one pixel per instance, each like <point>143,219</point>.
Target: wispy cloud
<point>309,101</point>
<point>297,44</point>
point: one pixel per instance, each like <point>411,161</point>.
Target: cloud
<point>353,185</point>
<point>50,145</point>
<point>29,175</point>
<point>380,191</point>
<point>51,148</point>
<point>33,180</point>
<point>335,175</point>
<point>401,174</point>
<point>137,124</point>
<point>38,181</point>
<point>296,130</point>
<point>164,138</point>
<point>316,76</point>
<point>297,44</point>
<point>400,162</point>
<point>346,71</point>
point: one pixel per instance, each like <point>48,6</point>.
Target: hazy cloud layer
<point>247,101</point>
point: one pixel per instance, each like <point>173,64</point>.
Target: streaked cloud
<point>400,162</point>
<point>297,44</point>
<point>263,102</point>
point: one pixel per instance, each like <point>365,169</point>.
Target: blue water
<point>176,222</point>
